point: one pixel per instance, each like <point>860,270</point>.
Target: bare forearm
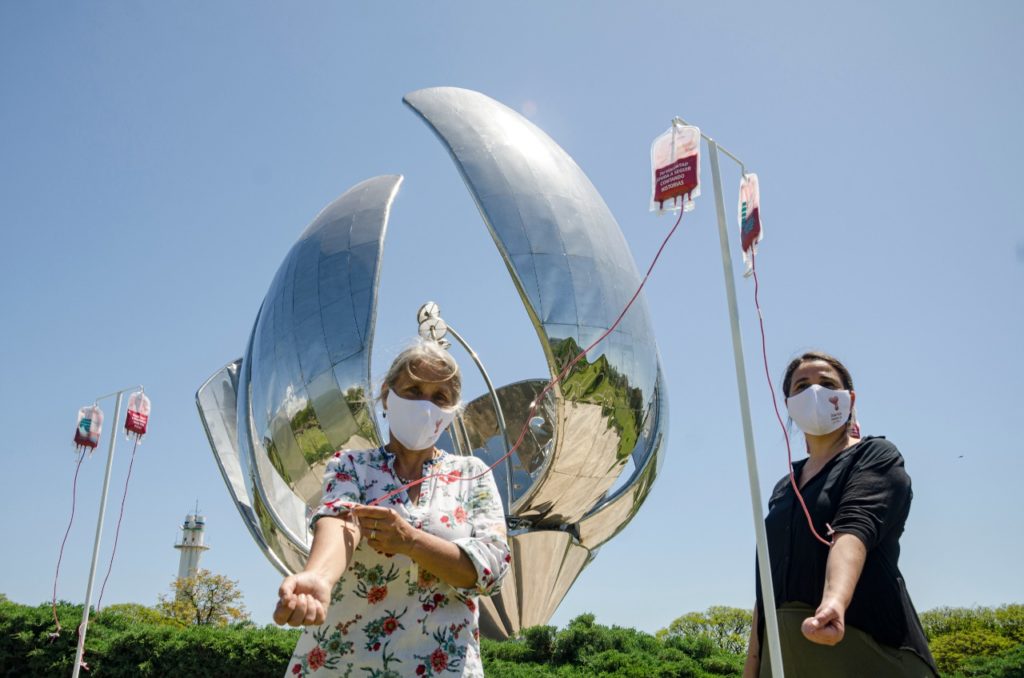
<point>845,563</point>
<point>752,667</point>
<point>443,559</point>
<point>334,541</point>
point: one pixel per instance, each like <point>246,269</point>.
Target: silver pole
<point>499,415</point>
<point>99,533</point>
<point>764,565</point>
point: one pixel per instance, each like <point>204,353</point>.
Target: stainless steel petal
<point>574,272</point>
<point>218,412</point>
<point>305,381</point>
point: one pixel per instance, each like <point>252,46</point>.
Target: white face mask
<point>818,410</point>
<point>417,424</point>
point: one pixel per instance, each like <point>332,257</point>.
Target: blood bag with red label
<point>675,168</point>
<point>749,211</point>
<point>138,416</point>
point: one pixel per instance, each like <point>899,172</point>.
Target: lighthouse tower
<point>191,545</point>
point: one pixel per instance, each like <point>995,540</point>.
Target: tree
<point>204,599</point>
<point>727,627</point>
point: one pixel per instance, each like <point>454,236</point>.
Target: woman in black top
<point>843,609</point>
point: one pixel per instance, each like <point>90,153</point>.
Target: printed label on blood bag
<point>83,435</point>
<point>676,179</point>
<point>750,228</point>
<point>136,422</point>
<point>675,168</point>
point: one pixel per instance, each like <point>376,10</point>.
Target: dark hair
<point>844,374</point>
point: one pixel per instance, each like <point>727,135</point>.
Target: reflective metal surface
<point>303,386</point>
<point>485,439</point>
<point>574,272</point>
<point>218,412</point>
<point>572,267</point>
<point>545,563</point>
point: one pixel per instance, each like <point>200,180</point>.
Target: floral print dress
<point>389,618</point>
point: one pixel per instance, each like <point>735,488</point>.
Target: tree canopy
<point>204,599</point>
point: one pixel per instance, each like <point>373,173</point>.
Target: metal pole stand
<point>764,564</point>
<point>83,627</point>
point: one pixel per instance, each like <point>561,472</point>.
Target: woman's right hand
<point>303,600</point>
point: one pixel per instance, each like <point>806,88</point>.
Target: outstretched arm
<point>305,597</point>
<point>842,571</point>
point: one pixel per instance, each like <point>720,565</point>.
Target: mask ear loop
<point>852,426</point>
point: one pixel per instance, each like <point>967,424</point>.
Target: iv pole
<point>763,562</point>
<point>83,627</point>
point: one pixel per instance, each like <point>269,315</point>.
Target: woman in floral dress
<point>391,589</point>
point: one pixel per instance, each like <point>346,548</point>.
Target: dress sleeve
<point>342,486</point>
<point>487,546</point>
<point>876,499</point>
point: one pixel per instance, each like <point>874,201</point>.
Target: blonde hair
<point>424,353</point>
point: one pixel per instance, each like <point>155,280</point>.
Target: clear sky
<point>158,160</point>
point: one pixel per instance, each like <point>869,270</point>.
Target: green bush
<point>945,620</point>
<point>585,648</point>
<point>541,642</point>
<point>582,638</point>
<point>134,640</point>
<point>1009,621</point>
<point>508,651</point>
<point>125,641</point>
<point>1008,664</point>
<point>951,650</point>
<point>979,641</point>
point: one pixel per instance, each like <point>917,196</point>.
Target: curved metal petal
<point>216,400</point>
<point>574,272</point>
<point>304,387</point>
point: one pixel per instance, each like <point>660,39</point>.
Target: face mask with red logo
<point>818,410</point>
<point>417,424</point>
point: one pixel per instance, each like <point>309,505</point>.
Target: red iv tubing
<point>117,532</point>
<point>60,556</point>
<point>548,387</point>
<point>775,403</point>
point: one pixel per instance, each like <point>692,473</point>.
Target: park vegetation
<point>136,640</point>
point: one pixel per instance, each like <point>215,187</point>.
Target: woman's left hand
<point>827,626</point>
<point>385,531</point>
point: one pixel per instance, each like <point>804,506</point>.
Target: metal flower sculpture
<point>302,388</point>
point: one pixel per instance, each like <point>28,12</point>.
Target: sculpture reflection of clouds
<point>303,386</point>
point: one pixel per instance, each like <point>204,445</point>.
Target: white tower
<point>191,545</point>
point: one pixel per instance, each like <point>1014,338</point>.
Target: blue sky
<point>158,162</point>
